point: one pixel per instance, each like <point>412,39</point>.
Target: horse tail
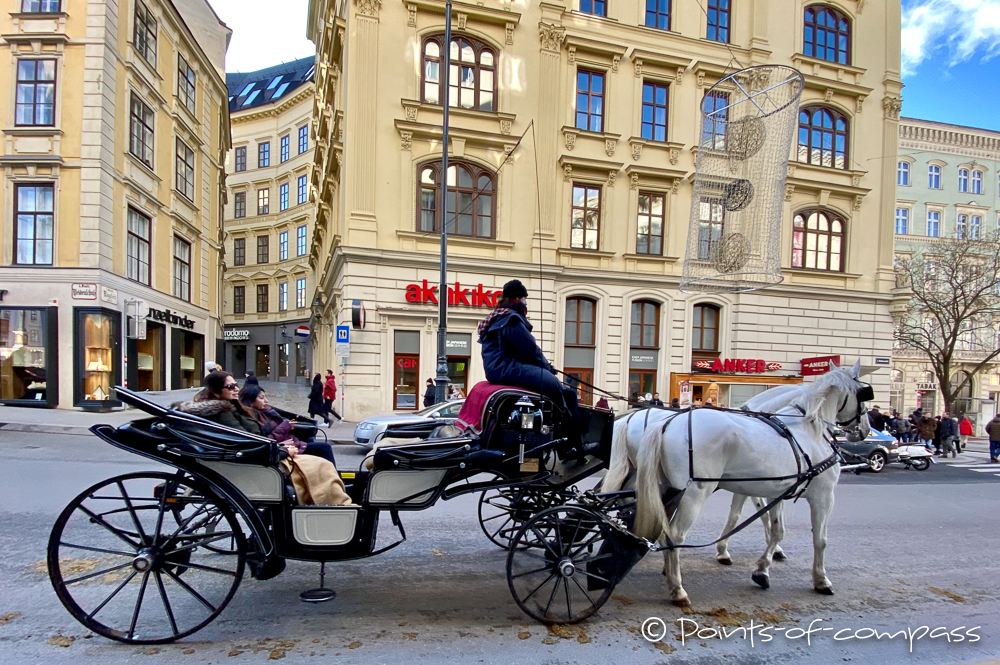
<point>619,466</point>
<point>650,516</point>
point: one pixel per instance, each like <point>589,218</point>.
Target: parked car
<point>369,429</point>
<point>878,449</point>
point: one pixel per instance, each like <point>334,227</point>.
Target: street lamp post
<point>441,391</point>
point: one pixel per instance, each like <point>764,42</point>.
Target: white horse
<point>628,433</point>
<point>734,452</point>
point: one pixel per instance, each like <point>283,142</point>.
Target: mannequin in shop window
<point>511,356</point>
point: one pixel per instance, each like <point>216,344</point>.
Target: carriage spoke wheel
<point>556,569</point>
<point>132,557</point>
<point>503,511</point>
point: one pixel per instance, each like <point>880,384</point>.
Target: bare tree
<point>954,307</point>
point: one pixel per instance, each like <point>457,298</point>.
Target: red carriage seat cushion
<point>474,410</point>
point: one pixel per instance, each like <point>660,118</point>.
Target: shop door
<point>458,373</point>
<point>187,359</point>
<point>238,364</point>
<point>147,369</point>
<point>97,341</point>
<point>262,363</point>
<point>584,394</point>
<point>404,392</point>
<point>641,382</point>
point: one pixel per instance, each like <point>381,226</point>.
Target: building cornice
<point>241,117</point>
<point>951,139</point>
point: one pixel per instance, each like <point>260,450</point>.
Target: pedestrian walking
<point>964,432</point>
<point>925,429</point>
<point>251,380</point>
<point>993,431</point>
<point>330,393</point>
<point>316,405</point>
<point>937,435</point>
<point>429,394</point>
<point>876,419</point>
<point>902,427</point>
<point>948,430</point>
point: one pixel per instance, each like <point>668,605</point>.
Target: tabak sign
<point>736,366</point>
<point>469,296</point>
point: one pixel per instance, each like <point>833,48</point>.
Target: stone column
<point>362,120</point>
<point>549,112</point>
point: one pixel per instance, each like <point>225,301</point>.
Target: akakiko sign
<point>737,366</point>
<point>469,296</point>
<point>818,365</point>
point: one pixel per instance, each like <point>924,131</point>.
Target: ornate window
<point>300,240</point>
<point>827,34</point>
<point>822,137</point>
<point>137,246</point>
<point>283,196</point>
<point>263,249</point>
<point>241,159</point>
<point>185,83</point>
<point>658,14</point>
<point>903,174</point>
<point>963,180</point>
<point>645,327</point>
<point>472,81</point>
<point>263,154</point>
<point>36,93</point>
<point>977,182</point>
<point>590,101</point>
<point>263,201</point>
<point>933,223</point>
<point>34,207</point>
<point>239,251</point>
<point>182,269</point>
<point>471,200</point>
<point>262,298</point>
<point>144,36</point>
<point>649,239</point>
<point>902,221</point>
<point>284,151</point>
<point>654,111</point>
<point>303,138</point>
<point>283,246</point>
<point>301,189</point>
<point>239,299</point>
<point>975,227</point>
<point>141,131</point>
<point>240,205</point>
<point>718,21</point>
<point>39,6</point>
<point>713,131</point>
<point>934,176</point>
<point>184,169</point>
<point>705,330</point>
<point>580,314</point>
<point>585,224</point>
<point>817,241</point>
<point>961,226</point>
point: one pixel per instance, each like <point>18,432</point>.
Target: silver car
<point>369,430</point>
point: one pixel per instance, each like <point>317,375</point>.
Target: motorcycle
<point>914,454</point>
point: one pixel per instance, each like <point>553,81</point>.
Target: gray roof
<point>254,89</point>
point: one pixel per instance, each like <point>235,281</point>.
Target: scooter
<point>914,454</point>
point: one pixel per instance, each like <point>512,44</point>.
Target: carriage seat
<point>454,453</point>
<point>481,397</point>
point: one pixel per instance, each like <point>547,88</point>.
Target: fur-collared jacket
<point>228,413</point>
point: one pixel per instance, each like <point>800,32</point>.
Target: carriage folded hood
<point>207,409</point>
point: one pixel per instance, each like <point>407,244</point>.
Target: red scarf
<point>484,325</point>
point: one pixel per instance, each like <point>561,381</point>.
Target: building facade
<point>947,186</point>
<point>574,132</point>
<point>269,224</point>
<point>115,131</point>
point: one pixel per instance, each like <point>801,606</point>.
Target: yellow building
<point>115,130</point>
<point>269,223</point>
<point>598,105</point>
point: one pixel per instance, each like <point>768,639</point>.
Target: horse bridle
<point>864,393</point>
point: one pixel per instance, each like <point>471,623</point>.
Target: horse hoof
<point>682,602</point>
<point>725,561</point>
<point>825,590</point>
<point>761,580</point>
<point>779,556</point>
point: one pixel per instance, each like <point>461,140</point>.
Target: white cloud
<point>265,32</point>
<point>952,30</point>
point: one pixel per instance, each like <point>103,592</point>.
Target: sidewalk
<point>75,421</point>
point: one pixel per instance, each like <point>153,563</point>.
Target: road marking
<point>990,470</point>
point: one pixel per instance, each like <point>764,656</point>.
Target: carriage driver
<point>512,358</point>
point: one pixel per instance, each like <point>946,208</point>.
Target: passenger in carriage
<point>217,401</point>
<point>511,356</point>
<point>274,426</point>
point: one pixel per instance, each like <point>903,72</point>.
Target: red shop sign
<point>737,366</point>
<point>818,365</point>
<point>407,363</point>
<point>468,296</point>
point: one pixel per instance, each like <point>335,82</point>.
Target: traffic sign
<point>343,350</point>
<point>343,335</point>
<point>302,331</point>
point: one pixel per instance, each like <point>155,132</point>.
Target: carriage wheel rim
<point>158,566</point>
<point>549,564</point>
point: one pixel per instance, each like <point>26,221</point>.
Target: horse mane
<point>815,395</point>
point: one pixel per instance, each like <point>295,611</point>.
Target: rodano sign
<point>236,335</point>
<point>469,296</point>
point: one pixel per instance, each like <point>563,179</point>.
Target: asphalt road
<point>907,549</point>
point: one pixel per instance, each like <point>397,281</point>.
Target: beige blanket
<point>316,481</point>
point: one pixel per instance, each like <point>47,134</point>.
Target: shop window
<point>817,241</point>
<point>641,383</point>
<point>262,361</point>
<point>239,299</point>
<point>28,356</point>
<point>262,297</point>
<point>585,223</point>
<point>827,34</point>
<point>406,368</point>
<point>822,137</point>
<point>654,111</point>
<point>147,371</point>
<point>36,93</point>
<point>459,347</point>
<point>239,251</point>
<point>649,239</point>
<point>241,159</point>
<point>33,224</point>
<point>472,79</point>
<point>579,340</point>
<point>182,269</point>
<point>283,360</point>
<point>590,101</point>
<point>301,360</point>
<point>98,356</point>
<point>238,360</point>
<point>144,36</point>
<point>578,378</point>
<point>705,331</point>
<point>471,200</point>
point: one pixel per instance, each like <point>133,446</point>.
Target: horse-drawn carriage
<point>151,557</point>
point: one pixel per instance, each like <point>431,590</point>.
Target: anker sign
<point>470,296</point>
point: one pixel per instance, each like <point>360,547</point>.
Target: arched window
<point>897,376</point>
<point>963,180</point>
<point>903,174</point>
<point>471,200</point>
<point>579,351</point>
<point>977,182</point>
<point>827,34</point>
<point>580,321</point>
<point>705,330</point>
<point>645,332</point>
<point>822,137</point>
<point>817,241</point>
<point>472,81</point>
<point>934,176</point>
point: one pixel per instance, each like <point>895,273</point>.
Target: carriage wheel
<point>557,567</point>
<point>503,511</point>
<point>130,559</point>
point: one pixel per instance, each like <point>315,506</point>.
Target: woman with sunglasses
<point>218,401</point>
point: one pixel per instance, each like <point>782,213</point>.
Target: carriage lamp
<point>525,415</point>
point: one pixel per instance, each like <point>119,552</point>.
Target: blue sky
<point>950,64</point>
